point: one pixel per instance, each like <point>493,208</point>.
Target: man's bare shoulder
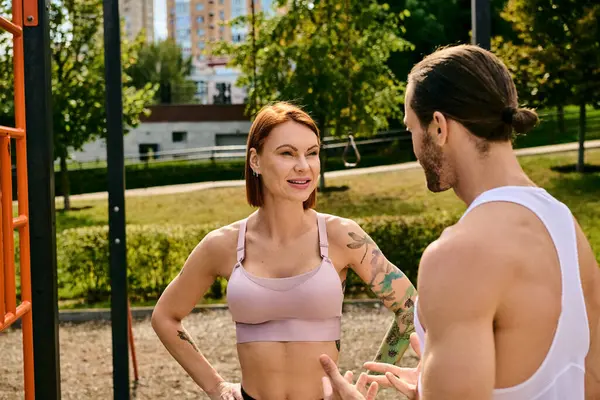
<point>466,266</point>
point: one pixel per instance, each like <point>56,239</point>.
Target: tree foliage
<point>164,65</point>
<point>78,81</point>
<point>555,58</point>
<point>328,56</point>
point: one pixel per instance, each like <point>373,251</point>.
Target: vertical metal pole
<point>481,23</point>
<point>40,167</point>
<point>253,11</point>
<point>116,199</point>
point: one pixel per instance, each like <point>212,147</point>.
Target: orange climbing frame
<point>9,310</point>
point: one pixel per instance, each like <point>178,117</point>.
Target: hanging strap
<point>241,241</point>
<point>323,245</point>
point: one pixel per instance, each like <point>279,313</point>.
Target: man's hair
<point>473,87</point>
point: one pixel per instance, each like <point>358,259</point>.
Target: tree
<point>78,87</point>
<point>434,23</point>
<point>557,54</point>
<point>329,56</point>
<point>164,65</point>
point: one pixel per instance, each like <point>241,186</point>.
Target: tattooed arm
<point>178,300</point>
<point>388,283</point>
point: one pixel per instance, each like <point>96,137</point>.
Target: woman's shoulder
<point>223,240</point>
<point>339,229</point>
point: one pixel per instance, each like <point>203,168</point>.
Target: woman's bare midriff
<point>284,371</point>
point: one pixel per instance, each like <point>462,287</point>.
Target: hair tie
<point>507,115</point>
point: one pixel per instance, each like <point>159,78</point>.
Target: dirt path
<point>86,360</point>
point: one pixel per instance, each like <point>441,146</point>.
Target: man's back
<point>514,237</point>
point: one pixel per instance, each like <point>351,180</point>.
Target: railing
<point>232,152</point>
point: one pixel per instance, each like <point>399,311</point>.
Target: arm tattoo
<point>358,242</point>
<point>397,339</point>
<point>384,289</point>
<point>184,336</point>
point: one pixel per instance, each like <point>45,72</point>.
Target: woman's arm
<point>388,283</point>
<point>178,300</point>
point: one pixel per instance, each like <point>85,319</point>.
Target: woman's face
<point>289,162</point>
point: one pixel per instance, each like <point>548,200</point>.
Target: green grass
<point>547,132</point>
<point>392,193</point>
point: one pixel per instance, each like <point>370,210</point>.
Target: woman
<point>286,267</point>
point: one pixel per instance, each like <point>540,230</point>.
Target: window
<point>200,19</point>
<point>221,1</point>
<point>223,95</point>
<point>199,7</point>
<point>200,32</point>
<point>179,136</point>
<point>201,45</point>
<point>222,15</point>
<point>222,29</point>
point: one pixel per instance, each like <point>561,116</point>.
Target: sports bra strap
<point>323,245</point>
<point>241,241</point>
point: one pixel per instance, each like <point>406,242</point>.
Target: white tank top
<point>561,374</point>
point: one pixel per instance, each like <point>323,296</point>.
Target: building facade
<point>177,132</point>
<point>197,24</point>
<point>138,15</point>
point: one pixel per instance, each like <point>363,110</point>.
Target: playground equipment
<point>9,311</point>
<point>38,308</point>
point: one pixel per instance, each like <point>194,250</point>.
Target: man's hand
<point>336,386</point>
<point>405,380</point>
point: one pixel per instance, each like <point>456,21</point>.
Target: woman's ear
<point>254,161</point>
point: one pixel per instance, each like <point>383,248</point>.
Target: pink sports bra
<point>301,308</point>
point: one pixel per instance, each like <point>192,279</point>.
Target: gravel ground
<point>86,361</point>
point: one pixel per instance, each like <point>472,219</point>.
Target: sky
<point>160,19</point>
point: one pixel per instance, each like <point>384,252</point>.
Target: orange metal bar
<point>12,132</point>
<point>132,344</point>
<point>20,221</point>
<point>10,312</point>
<point>10,299</point>
<point>30,9</point>
<point>9,318</point>
<point>2,310</point>
<point>11,27</point>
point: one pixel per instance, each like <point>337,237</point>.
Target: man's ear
<point>440,124</point>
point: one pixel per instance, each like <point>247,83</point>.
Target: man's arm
<point>388,283</point>
<point>458,294</point>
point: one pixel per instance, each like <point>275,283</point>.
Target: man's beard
<point>432,161</point>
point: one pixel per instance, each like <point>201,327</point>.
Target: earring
<point>255,173</point>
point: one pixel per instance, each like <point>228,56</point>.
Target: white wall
<point>199,134</point>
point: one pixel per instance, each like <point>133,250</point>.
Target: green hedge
<point>155,254</point>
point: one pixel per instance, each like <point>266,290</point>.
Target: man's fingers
<point>349,376</point>
<point>381,367</point>
<point>381,380</point>
<point>403,387</point>
<point>372,392</point>
<point>327,388</point>
<point>361,384</point>
<point>331,369</point>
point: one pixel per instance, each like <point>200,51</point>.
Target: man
<point>509,297</point>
